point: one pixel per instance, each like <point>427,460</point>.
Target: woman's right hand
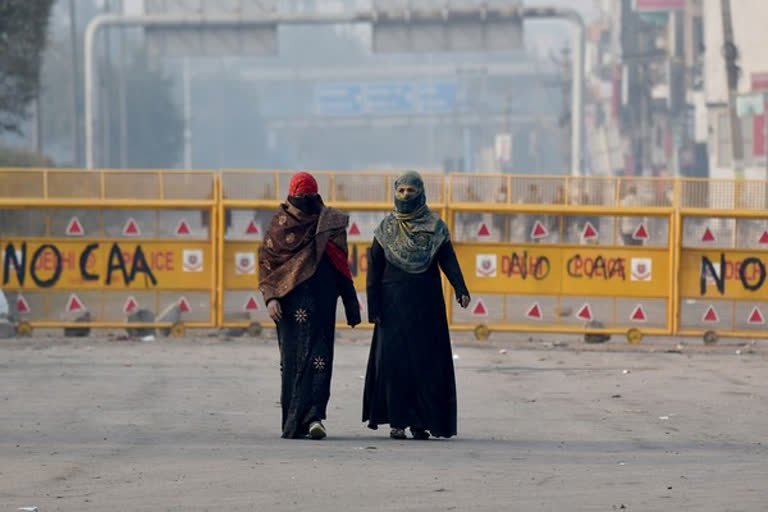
<point>274,310</point>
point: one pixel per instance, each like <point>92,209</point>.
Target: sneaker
<point>317,430</point>
<point>419,433</point>
<point>397,433</point>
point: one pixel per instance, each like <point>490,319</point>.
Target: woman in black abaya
<point>410,381</point>
<point>303,271</point>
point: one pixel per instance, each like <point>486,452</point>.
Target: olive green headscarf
<point>412,234</point>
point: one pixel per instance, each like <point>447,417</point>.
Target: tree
<point>23,36</point>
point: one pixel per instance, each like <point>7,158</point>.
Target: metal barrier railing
<point>87,249</point>
<point>248,201</point>
<point>540,253</point>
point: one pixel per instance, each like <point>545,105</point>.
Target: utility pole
<point>107,81</point>
<point>76,146</point>
<point>123,96</point>
<point>732,70</point>
<point>187,79</point>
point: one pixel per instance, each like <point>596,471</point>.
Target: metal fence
<point>540,253</point>
<point>97,249</point>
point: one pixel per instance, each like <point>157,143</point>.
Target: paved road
<point>192,425</point>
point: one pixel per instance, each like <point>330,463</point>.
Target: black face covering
<point>411,202</point>
<point>310,204</point>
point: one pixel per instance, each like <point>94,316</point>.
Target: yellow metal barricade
<point>250,198</point>
<point>92,248</point>
<point>723,240</point>
<point>539,253</point>
<point>562,254</point>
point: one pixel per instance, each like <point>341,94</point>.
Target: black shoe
<point>317,431</point>
<point>397,433</point>
<point>419,433</point>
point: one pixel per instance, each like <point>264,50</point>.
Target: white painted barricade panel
<point>481,227</point>
<point>130,223</point>
<point>75,223</point>
<point>199,304</point>
<point>708,232</point>
<point>534,310</point>
<point>588,230</point>
<point>640,313</point>
<point>752,233</point>
<point>363,224</point>
<point>751,315</point>
<point>245,305</point>
<point>114,304</point>
<point>183,224</point>
<point>68,306</point>
<point>22,222</point>
<point>484,309</point>
<point>244,224</point>
<point>29,306</point>
<point>529,228</point>
<point>643,231</point>
<point>706,314</point>
<point>582,310</point>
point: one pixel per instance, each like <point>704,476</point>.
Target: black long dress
<point>306,335</point>
<point>410,380</point>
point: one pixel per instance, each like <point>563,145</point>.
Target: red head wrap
<point>302,183</point>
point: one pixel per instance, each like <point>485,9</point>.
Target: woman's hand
<point>464,301</point>
<point>274,310</point>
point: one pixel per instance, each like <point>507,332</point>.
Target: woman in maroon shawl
<point>303,271</point>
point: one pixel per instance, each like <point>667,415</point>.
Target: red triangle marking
<point>756,316</point>
<point>764,238</point>
<point>638,315</point>
<point>585,313</point>
<point>130,305</point>
<point>535,312</point>
<point>184,305</point>
<point>131,228</point>
<point>22,306</point>
<point>183,228</point>
<point>480,308</point>
<point>74,304</point>
<point>353,229</point>
<point>539,231</point>
<point>252,305</point>
<point>483,231</point>
<point>708,236</point>
<point>589,231</point>
<point>74,228</point>
<point>252,229</point>
<point>640,233</point>
<point>711,315</point>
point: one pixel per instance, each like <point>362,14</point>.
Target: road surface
<point>193,425</point>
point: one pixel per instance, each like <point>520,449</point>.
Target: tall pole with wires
<point>77,157</point>
<point>732,71</point>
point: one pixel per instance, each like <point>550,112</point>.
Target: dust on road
<point>193,425</point>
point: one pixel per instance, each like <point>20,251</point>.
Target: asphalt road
<point>193,425</point>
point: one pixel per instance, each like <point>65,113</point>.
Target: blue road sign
<point>385,98</point>
<point>389,98</point>
<point>338,99</point>
<point>437,97</point>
